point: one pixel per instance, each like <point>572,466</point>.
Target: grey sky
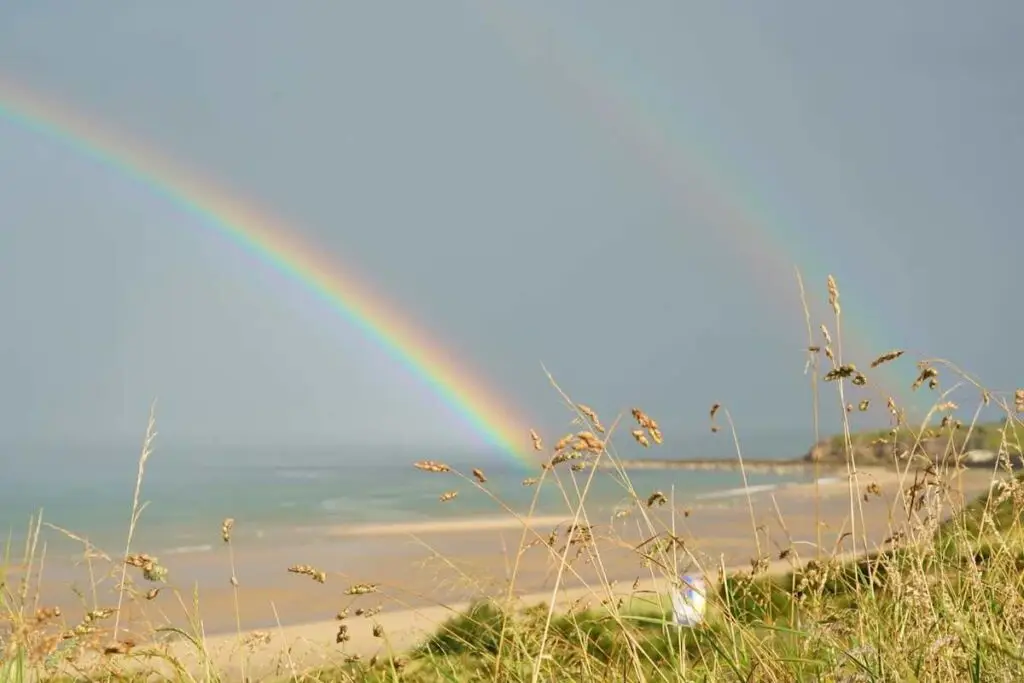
<point>450,152</point>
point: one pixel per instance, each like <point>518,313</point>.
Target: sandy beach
<point>424,573</point>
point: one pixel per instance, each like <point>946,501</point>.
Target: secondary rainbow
<point>271,242</point>
<point>694,177</point>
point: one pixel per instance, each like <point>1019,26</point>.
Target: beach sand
<point>426,572</point>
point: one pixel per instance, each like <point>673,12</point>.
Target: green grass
<point>982,436</point>
<point>857,616</point>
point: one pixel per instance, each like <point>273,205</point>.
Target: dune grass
<point>941,598</point>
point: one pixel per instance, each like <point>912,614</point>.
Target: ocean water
<point>294,493</point>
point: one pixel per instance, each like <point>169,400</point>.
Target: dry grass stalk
<point>647,422</point>
<point>592,416</point>
<point>310,571</point>
<point>538,445</point>
<point>848,370</point>
<point>225,529</point>
<point>432,466</point>
<point>927,374</point>
<point>564,442</point>
<point>656,498</point>
<point>887,357</point>
<point>587,442</point>
<point>151,568</point>
<point>833,295</point>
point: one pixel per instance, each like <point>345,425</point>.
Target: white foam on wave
<point>298,474</point>
<point>188,549</point>
<point>742,491</point>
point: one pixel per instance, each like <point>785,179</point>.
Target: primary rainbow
<point>256,232</point>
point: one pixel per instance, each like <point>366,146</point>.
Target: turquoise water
<point>277,492</point>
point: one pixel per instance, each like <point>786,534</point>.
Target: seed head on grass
<point>121,647</point>
<point>448,495</point>
<point>890,404</point>
<point>848,370</point>
<point>927,374</point>
<point>833,295</point>
<point>342,635</point>
<point>592,416</point>
<point>538,445</point>
<point>529,481</point>
<point>1018,400</point>
<point>563,456</point>
<point>44,614</point>
<point>643,419</point>
<point>863,405</point>
<point>586,441</point>
<point>887,357</point>
<point>564,442</point>
<point>432,466</point>
<point>647,422</point>
<point>311,572</point>
<point>641,438</point>
<point>150,566</point>
<point>362,589</point>
<point>478,474</point>
<point>225,529</point>
<point>99,614</point>
<point>656,498</point>
<point>378,631</point>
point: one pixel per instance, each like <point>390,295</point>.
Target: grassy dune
<point>941,597</point>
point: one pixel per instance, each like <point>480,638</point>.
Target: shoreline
<point>469,521</point>
<point>422,584</point>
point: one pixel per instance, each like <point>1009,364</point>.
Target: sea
<point>294,493</point>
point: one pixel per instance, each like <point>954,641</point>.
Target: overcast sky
<point>620,191</point>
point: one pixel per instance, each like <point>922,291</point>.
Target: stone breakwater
<point>719,465</point>
<point>822,457</point>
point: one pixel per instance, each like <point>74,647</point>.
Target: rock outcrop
<point>873,450</point>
